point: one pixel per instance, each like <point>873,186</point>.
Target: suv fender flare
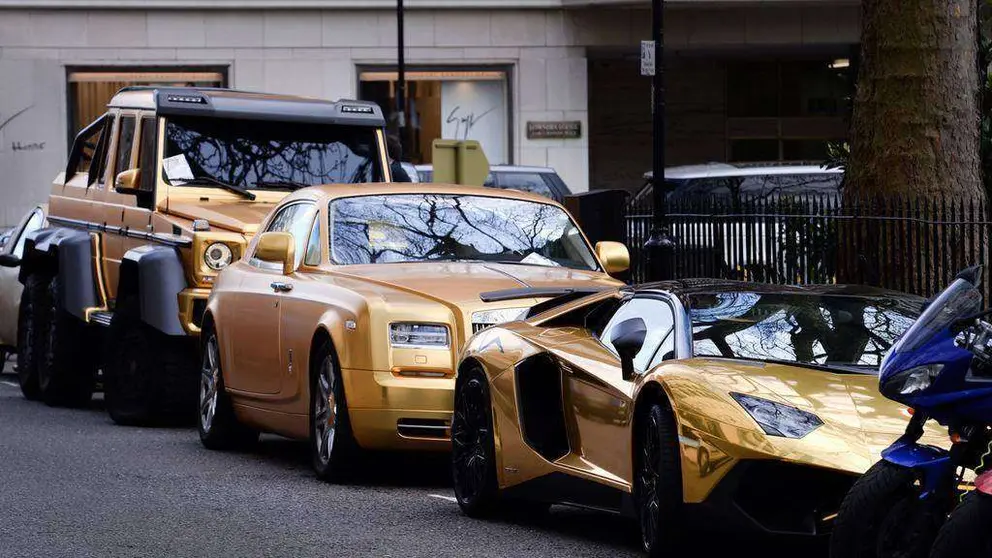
<point>68,254</point>
<point>155,275</point>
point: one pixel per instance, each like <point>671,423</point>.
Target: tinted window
<point>436,227</point>
<point>660,320</point>
<point>527,182</point>
<point>296,219</point>
<point>844,331</point>
<point>146,157</point>
<point>264,154</point>
<point>124,142</point>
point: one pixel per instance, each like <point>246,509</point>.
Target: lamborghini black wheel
<point>658,488</point>
<point>883,516</point>
<point>473,453</point>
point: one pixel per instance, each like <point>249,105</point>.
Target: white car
<point>692,188</point>
<point>10,289</point>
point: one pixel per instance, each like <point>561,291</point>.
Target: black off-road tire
<point>27,334</point>
<point>968,532</point>
<point>658,483</point>
<point>473,449</point>
<point>219,427</point>
<point>882,506</point>
<point>344,456</point>
<point>150,378</point>
<point>67,367</point>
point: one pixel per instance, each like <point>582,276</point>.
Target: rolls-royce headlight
<point>217,256</point>
<point>777,419</point>
<point>407,334</point>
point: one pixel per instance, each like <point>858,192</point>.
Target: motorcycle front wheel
<point>967,532</point>
<point>883,517</point>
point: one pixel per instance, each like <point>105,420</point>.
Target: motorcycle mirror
<point>971,274</point>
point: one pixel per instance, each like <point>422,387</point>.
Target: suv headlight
<point>412,335</point>
<point>217,256</point>
<point>912,381</point>
<point>777,419</point>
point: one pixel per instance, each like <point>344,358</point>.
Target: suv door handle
<point>280,287</point>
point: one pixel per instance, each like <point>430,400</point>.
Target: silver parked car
<point>543,181</point>
<point>11,251</point>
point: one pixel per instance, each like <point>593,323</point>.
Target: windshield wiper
<point>229,187</point>
<point>281,184</point>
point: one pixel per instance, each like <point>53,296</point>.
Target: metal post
<point>660,247</point>
<point>401,75</point>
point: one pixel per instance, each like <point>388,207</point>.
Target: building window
<point>448,104</point>
<point>90,89</point>
<point>786,110</point>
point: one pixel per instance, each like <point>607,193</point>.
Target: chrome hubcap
<point>325,411</point>
<point>209,379</point>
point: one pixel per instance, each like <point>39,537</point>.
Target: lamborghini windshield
<point>447,227</point>
<point>838,331</point>
<point>262,154</point>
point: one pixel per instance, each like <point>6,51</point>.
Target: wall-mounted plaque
<point>554,130</point>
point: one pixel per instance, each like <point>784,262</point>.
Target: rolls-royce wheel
<point>218,426</point>
<point>333,449</point>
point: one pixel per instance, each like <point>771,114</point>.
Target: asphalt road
<point>74,484</point>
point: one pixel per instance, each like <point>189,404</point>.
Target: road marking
<point>11,384</point>
<point>445,498</point>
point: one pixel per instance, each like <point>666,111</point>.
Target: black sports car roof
<point>685,288</point>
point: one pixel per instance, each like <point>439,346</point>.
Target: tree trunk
<point>914,130</point>
<point>914,146</point>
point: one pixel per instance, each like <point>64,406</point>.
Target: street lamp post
<point>660,247</point>
<point>400,74</point>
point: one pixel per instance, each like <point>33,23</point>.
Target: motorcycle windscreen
<point>930,337</point>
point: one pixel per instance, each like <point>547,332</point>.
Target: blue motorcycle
<point>907,504</point>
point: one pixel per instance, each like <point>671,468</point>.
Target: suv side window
<point>147,154</point>
<point>125,139</point>
<point>296,219</point>
<point>660,320</point>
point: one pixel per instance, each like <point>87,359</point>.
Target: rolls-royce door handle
<point>281,287</point>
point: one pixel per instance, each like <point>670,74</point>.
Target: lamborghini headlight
<point>217,256</point>
<point>500,316</point>
<point>912,381</point>
<point>417,335</point>
<point>777,419</point>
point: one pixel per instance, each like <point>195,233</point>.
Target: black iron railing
<point>902,243</point>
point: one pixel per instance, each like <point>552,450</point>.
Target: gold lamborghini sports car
<point>753,406</point>
<point>343,321</point>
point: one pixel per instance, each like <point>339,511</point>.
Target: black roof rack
<point>253,105</point>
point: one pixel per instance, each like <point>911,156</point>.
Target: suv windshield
<point>268,154</point>
<point>825,330</point>
<point>432,227</point>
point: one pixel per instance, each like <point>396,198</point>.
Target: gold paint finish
<point>352,306</point>
<point>614,255</point>
<point>715,432</point>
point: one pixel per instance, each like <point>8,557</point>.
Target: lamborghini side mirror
<point>628,339</point>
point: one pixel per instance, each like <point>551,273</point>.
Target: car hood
<point>460,283</point>
<point>241,216</point>
<point>858,422</point>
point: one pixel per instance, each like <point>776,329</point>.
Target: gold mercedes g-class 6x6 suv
<point>160,194</point>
